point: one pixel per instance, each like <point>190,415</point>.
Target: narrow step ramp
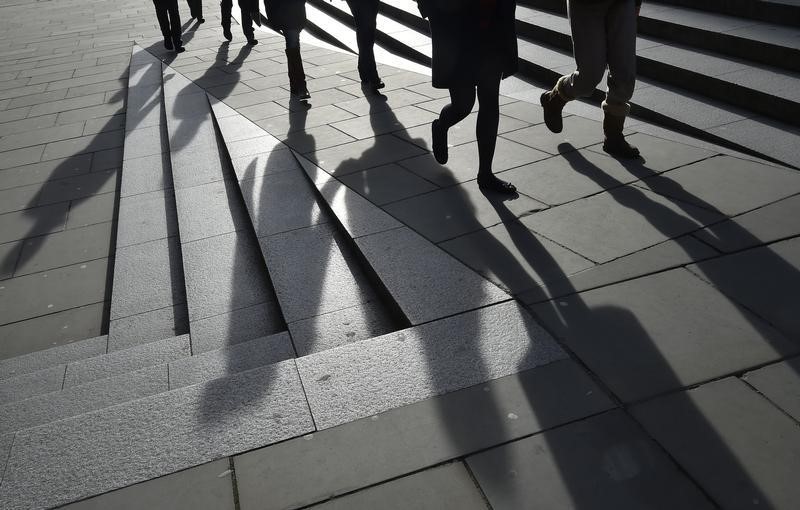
<point>148,302</point>
<point>229,295</point>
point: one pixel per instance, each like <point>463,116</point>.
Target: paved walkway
<point>348,324</point>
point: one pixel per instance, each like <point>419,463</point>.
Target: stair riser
<point>771,12</point>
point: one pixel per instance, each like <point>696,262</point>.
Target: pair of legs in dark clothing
<point>365,13</point>
<point>462,99</point>
<point>246,7</point>
<point>196,10</point>
<point>170,22</point>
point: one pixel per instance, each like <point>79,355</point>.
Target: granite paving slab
<point>386,184</point>
<point>739,448</point>
<point>69,402</point>
<point>9,254</point>
<point>447,487</point>
<point>79,186</point>
<point>363,154</point>
<point>32,222</point>
<point>28,385</point>
<point>725,184</point>
<point>385,122</point>
<point>770,223</point>
<point>78,457</point>
<point>461,133</point>
<point>578,132</point>
<point>16,199</point>
<point>91,210</point>
<point>83,144</point>
<point>64,249</point>
<point>403,440</point>
<point>148,327</point>
<point>618,222</point>
<point>205,487</point>
<point>146,278</point>
<point>780,383</point>
<point>425,281</point>
<point>39,360</point>
<point>229,360</point>
<point>765,280</point>
<point>20,157</point>
<point>660,154</point>
<point>452,212</point>
<point>209,210</point>
<point>660,333</point>
<point>298,120</point>
<point>22,125</point>
<point>146,217</point>
<point>358,380</point>
<point>237,326</point>
<point>601,462</point>
<point>223,273</point>
<point>126,360</point>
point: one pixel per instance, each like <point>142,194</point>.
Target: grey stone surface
<point>80,186</point>
<point>739,447</point>
<point>230,360</point>
<point>6,441</point>
<point>340,327</point>
<point>426,282</point>
<point>146,278</point>
<point>196,166</point>
<point>388,183</point>
<point>40,360</point>
<point>729,185</point>
<point>32,222</point>
<point>91,210</point>
<point>9,255</point>
<point>44,171</point>
<point>780,383</point>
<point>235,128</point>
<point>64,248</point>
<point>205,487</point>
<point>30,384</point>
<point>147,327</point>
<point>61,328</point>
<point>237,326</point>
<point>159,435</point>
<point>697,112</point>
<point>144,141</point>
<point>83,144</point>
<point>142,175</point>
<point>341,459</point>
<point>770,223</point>
<point>618,222</point>
<point>603,462</point>
<point>223,273</point>
<point>578,133</point>
<point>458,210</point>
<point>390,100</point>
<point>22,125</point>
<point>126,360</point>
<point>363,154</point>
<point>660,154</point>
<point>514,258</point>
<point>385,122</point>
<point>313,273</point>
<point>16,199</point>
<point>40,136</point>
<point>54,290</point>
<point>281,202</point>
<point>358,380</point>
<point>662,332</point>
<point>447,487</point>
<point>146,217</point>
<point>280,125</point>
<point>89,397</point>
<point>209,210</point>
<point>765,280</point>
<point>19,157</point>
<point>255,146</point>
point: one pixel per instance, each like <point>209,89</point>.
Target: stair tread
<point>39,360</point>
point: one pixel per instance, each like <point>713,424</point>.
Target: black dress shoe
<point>201,20</point>
<point>168,43</point>
<point>252,41</point>
<point>491,182</point>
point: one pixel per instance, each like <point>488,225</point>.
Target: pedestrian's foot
<point>619,148</point>
<point>552,104</point>
<point>375,84</point>
<point>226,33</point>
<point>301,93</point>
<point>168,43</point>
<point>179,46</point>
<point>252,41</point>
<point>439,141</point>
<point>200,20</point>
<point>491,182</point>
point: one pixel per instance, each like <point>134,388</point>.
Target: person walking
<point>474,48</point>
<point>365,13</point>
<point>196,10</point>
<point>246,7</point>
<point>603,35</point>
<point>289,17</point>
<point>169,20</point>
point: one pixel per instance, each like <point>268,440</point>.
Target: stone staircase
<point>255,298</point>
<point>725,71</point>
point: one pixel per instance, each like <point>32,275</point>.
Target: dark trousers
<point>195,8</point>
<point>365,13</point>
<point>245,6</point>
<point>169,19</point>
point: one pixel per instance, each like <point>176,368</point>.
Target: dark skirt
<point>286,14</point>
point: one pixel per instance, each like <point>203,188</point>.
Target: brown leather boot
<point>614,143</point>
<point>552,104</point>
<point>297,76</point>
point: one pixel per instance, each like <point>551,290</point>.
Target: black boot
<point>614,143</point>
<point>168,43</point>
<point>552,104</point>
<point>297,76</point>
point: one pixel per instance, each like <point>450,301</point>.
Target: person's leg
<point>621,37</point>
<point>175,25</point>
<point>196,10</point>
<point>163,22</point>
<point>488,120</point>
<point>245,8</point>
<point>225,7</point>
<point>297,76</point>
<point>587,24</point>
<point>462,99</point>
<point>365,14</point>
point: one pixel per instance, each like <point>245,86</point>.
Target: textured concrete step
<point>178,373</point>
<point>39,360</point>
<point>326,298</point>
<point>224,270</point>
<point>121,445</point>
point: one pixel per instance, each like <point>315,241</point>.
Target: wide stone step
<point>783,12</point>
<point>159,378</point>
<point>54,356</point>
